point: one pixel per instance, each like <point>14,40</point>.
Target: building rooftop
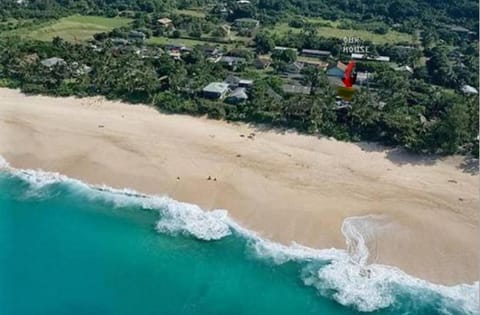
<point>284,48</point>
<point>468,89</point>
<point>405,68</point>
<point>50,62</point>
<point>232,60</point>
<point>164,21</point>
<point>315,63</point>
<point>363,56</point>
<point>216,87</point>
<point>232,80</point>
<point>239,93</point>
<point>316,52</point>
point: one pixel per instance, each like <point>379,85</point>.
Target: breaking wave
<point>343,275</point>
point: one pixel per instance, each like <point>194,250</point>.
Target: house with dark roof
<point>210,50</point>
<point>262,63</point>
<point>232,81</point>
<point>316,53</point>
<point>231,62</point>
<point>294,67</point>
<point>239,95</point>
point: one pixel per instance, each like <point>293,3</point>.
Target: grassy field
<point>72,28</point>
<point>333,31</point>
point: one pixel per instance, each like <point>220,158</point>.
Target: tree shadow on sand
<point>469,165</point>
<point>397,155</point>
<point>278,129</point>
<point>400,156</point>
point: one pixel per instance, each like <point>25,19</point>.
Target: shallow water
<point>68,248</point>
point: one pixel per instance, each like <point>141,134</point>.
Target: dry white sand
<point>288,187</point>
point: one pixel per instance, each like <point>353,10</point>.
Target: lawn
<point>72,28</point>
<point>390,37</point>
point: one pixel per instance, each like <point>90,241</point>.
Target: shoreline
<point>287,187</point>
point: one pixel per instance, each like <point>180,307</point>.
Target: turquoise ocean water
<point>69,248</point>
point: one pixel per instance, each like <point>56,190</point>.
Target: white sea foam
<point>376,286</point>
<point>175,216</point>
<point>369,287</point>
<point>184,217</point>
<point>3,163</point>
<point>342,275</point>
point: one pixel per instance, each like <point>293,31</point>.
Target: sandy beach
<point>287,187</point>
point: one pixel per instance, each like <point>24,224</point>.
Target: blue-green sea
<point>70,248</point>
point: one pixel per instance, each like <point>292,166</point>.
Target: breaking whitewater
<point>346,276</point>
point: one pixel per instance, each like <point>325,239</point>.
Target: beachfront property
<point>238,96</point>
<point>216,90</point>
